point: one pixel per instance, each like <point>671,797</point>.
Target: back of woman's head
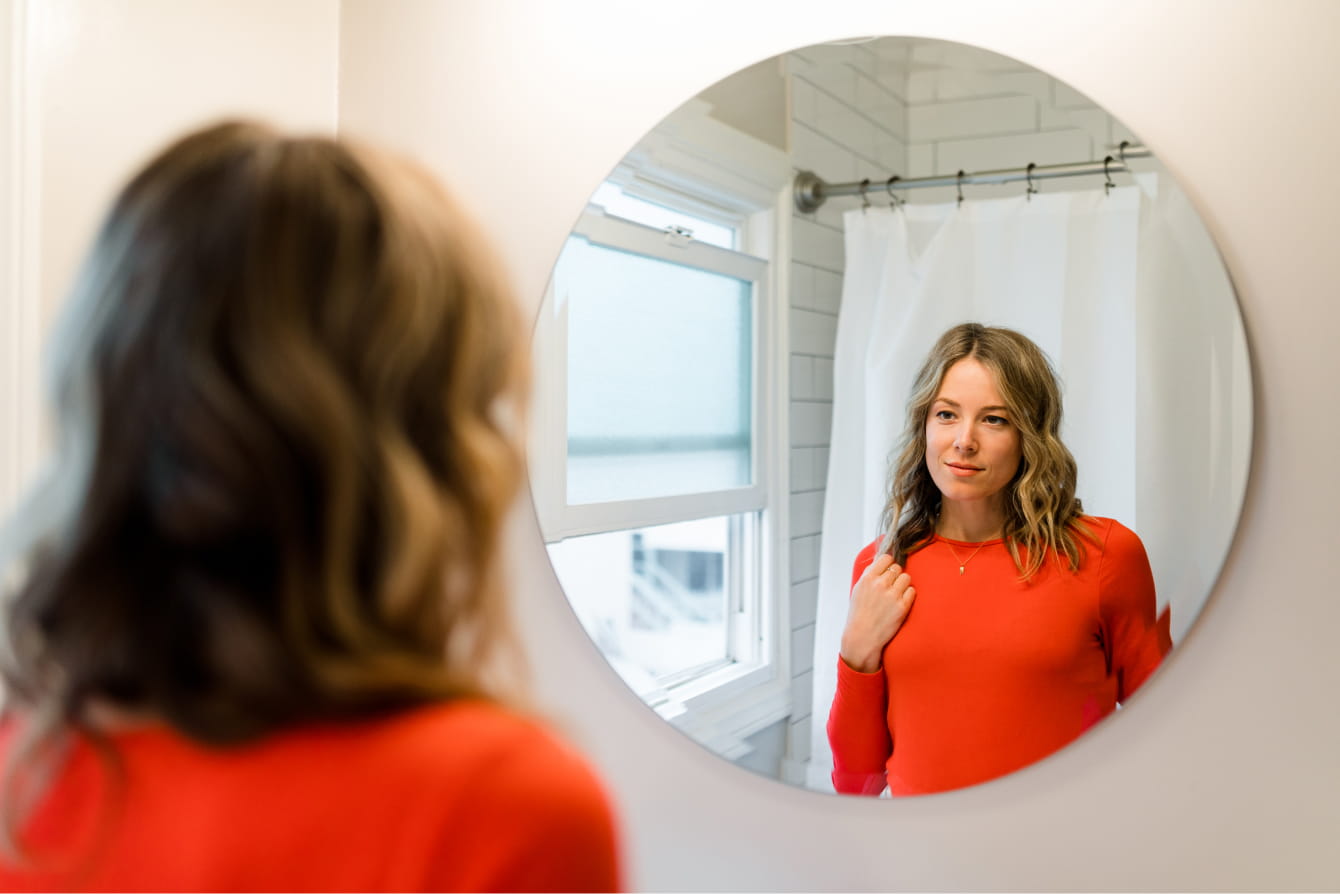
<point>1040,506</point>
<point>287,394</point>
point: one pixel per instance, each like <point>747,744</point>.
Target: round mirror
<point>724,361</point>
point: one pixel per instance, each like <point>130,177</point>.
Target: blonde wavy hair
<point>288,393</point>
<point>1042,514</point>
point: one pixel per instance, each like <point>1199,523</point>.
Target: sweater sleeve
<point>1134,635</point>
<point>858,728</point>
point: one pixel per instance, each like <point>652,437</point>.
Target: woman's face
<point>972,446</point>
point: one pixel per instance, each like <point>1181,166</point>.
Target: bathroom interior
<point>1221,774</point>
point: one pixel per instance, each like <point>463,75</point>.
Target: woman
<point>256,624</point>
<point>997,622</point>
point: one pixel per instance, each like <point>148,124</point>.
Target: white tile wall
<point>802,650</point>
<point>802,377</point>
<point>817,245</point>
<point>972,117</point>
<point>798,737</point>
<point>804,599</point>
<point>1016,151</point>
<point>804,558</point>
<point>812,151</point>
<point>813,332</point>
<point>827,291</point>
<point>807,513</point>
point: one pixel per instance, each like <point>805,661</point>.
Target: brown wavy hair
<point>288,393</point>
<point>1042,513</point>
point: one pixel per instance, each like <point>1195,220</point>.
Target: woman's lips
<point>961,470</point>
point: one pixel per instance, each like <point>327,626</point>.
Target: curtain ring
<point>960,187</point>
<point>1121,150</point>
<point>1107,187</point>
<point>1029,174</point>
<point>865,199</point>
<point>895,202</point>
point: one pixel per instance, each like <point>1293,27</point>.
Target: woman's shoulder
<point>475,733</point>
<point>1114,539</point>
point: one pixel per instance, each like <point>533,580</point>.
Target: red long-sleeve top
<point>989,673</point>
<point>457,797</point>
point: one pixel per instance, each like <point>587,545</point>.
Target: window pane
<point>654,599</point>
<point>659,376</point>
<point>619,204</point>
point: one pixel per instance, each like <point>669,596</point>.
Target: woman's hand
<point>879,604</point>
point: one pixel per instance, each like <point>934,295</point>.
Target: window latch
<point>677,235</point>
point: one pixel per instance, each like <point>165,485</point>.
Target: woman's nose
<point>965,440</point>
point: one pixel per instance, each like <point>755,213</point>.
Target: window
<point>652,456</point>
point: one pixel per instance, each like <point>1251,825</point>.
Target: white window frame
<point>706,169</point>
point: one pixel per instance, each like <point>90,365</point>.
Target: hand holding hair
<point>880,603</point>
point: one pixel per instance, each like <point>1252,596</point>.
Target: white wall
<point>1222,775</point>
<point>98,86</point>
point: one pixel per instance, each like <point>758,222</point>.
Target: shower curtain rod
<point>811,191</point>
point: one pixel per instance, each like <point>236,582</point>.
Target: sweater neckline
<point>968,544</point>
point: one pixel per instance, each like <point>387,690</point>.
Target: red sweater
<point>459,796</point>
<point>988,674</point>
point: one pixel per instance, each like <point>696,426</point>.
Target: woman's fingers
<point>883,562</point>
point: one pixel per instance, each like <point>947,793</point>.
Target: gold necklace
<point>963,562</point>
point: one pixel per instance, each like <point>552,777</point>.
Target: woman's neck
<point>972,523</point>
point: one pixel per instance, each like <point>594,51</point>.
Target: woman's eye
<point>995,420</point>
<point>945,415</point>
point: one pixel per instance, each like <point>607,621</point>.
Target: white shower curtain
<point>1100,281</point>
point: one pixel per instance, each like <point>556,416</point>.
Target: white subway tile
<point>817,245</point>
<point>802,649</point>
<point>920,88</point>
<point>864,59</point>
<point>1050,118</point>
<point>802,377</point>
<point>920,160</point>
<point>812,151</point>
<point>798,736</point>
<point>972,117</point>
<point>1066,97</point>
<point>804,559</point>
<point>811,426</point>
<point>821,464</point>
<point>836,80</point>
<point>807,512</point>
<point>802,101</point>
<point>813,332</point>
<point>829,214</point>
<point>800,287</point>
<point>802,468</point>
<point>990,153</point>
<point>891,155</point>
<point>843,125</point>
<point>968,85</point>
<point>881,106</point>
<point>894,82</point>
<point>827,291</point>
<point>804,602</point>
<point>1097,124</point>
<point>802,694</point>
<point>821,384</point>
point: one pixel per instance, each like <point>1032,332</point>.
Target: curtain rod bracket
<point>808,191</point>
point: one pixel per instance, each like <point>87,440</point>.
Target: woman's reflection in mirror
<point>256,630</point>
<point>994,622</point>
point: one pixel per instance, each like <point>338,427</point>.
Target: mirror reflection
<point>724,373</point>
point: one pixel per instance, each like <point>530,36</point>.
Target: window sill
<point>721,709</point>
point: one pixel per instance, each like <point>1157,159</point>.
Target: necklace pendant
<point>960,569</point>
